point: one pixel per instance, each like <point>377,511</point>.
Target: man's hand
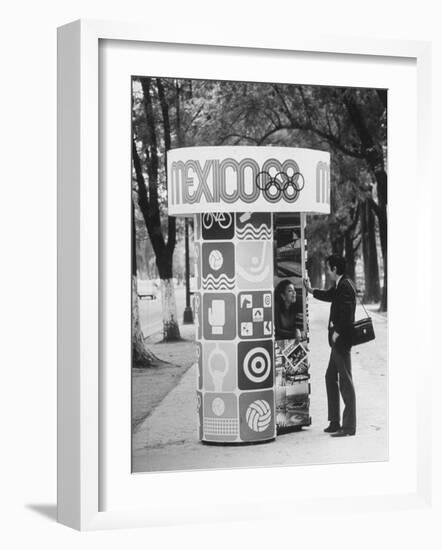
<point>307,286</point>
<point>335,336</point>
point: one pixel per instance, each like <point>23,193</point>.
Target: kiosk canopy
<point>241,179</point>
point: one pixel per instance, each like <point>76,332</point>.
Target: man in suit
<point>338,377</point>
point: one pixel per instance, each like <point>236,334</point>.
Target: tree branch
<point>281,97</point>
<point>154,231</point>
<point>223,139</point>
<point>151,150</point>
<point>171,220</point>
<point>271,132</point>
<point>165,114</point>
<point>143,201</point>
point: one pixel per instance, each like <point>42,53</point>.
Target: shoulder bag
<point>363,330</point>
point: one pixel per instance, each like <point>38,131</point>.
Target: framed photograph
<point>204,189</point>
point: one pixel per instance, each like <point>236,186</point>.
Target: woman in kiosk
<point>288,312</point>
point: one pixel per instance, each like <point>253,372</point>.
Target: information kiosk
<point>251,313</point>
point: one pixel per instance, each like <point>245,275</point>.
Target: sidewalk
<point>167,439</point>
<point>150,386</point>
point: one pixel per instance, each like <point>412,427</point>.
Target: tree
<point>371,269</point>
<point>373,152</point>
<point>146,164</point>
<point>353,122</point>
<point>350,123</point>
<point>306,116</point>
<point>141,355</point>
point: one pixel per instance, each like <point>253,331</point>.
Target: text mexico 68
<point>230,180</point>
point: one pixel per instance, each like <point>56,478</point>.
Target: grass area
<point>150,386</point>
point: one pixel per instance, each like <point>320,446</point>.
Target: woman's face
<point>289,294</point>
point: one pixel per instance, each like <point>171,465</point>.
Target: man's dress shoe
<point>332,428</point>
<point>343,433</point>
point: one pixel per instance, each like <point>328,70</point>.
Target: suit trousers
<point>338,378</point>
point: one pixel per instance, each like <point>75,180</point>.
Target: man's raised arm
<point>323,295</point>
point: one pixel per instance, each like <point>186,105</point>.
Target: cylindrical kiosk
<point>249,206</point>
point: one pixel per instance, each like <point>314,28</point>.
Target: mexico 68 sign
<point>242,179</point>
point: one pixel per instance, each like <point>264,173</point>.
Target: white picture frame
<point>80,394</point>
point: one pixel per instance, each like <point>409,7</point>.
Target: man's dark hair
<point>337,261</point>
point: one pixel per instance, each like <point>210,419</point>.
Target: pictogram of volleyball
<point>257,364</point>
<point>218,406</point>
<point>258,415</point>
<point>216,260</point>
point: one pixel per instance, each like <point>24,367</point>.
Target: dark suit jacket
<point>342,310</point>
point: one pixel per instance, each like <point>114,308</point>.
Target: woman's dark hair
<point>280,288</point>
<point>337,261</point>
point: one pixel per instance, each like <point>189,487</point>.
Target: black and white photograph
<point>251,262</point>
<point>221,238</point>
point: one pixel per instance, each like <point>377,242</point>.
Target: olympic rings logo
<point>281,184</point>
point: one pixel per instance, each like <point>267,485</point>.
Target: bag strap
<point>357,297</point>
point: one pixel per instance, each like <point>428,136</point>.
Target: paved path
<point>167,439</point>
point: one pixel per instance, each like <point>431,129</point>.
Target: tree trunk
<point>315,271</point>
<point>171,330</point>
<point>349,254</point>
<point>150,207</point>
<point>374,157</point>
<point>141,356</point>
<point>338,245</point>
<point>370,254</point>
<point>382,218</point>
<point>328,280</point>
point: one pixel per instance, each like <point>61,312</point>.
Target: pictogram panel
<point>219,316</point>
<point>219,366</point>
<point>254,226</point>
<point>217,225</point>
<point>220,417</point>
<point>255,365</point>
<point>255,315</point>
<point>254,264</point>
<point>256,412</point>
<point>218,266</point>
